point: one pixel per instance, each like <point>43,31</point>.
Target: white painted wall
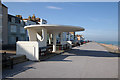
<point>31,48</point>
<point>42,42</point>
<point>28,48</point>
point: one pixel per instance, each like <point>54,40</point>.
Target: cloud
<point>53,7</point>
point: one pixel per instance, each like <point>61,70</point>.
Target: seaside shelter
<point>38,38</point>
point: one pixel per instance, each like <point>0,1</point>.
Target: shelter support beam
<point>32,35</point>
<point>61,39</point>
<point>50,38</point>
<point>54,42</point>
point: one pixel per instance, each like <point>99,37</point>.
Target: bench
<point>44,50</point>
<point>7,61</point>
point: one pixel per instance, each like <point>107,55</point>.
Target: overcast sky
<point>100,20</point>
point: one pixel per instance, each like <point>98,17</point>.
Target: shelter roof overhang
<point>55,28</point>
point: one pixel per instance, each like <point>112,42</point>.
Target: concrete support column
<point>54,42</point>
<point>32,35</point>
<point>74,35</point>
<point>61,39</point>
<point>69,37</point>
<point>50,38</point>
<point>42,38</point>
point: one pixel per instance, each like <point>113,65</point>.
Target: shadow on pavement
<point>74,52</point>
<point>17,69</point>
<point>59,58</point>
<point>78,52</point>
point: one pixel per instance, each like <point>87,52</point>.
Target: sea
<point>109,42</point>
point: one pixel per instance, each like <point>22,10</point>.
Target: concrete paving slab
<point>87,61</point>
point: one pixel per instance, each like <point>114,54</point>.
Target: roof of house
<point>4,5</point>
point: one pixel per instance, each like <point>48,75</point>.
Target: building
<point>33,20</point>
<point>11,27</point>
<point>72,35</point>
<point>0,23</point>
<point>67,36</point>
<point>38,39</point>
<point>16,31</point>
<point>80,37</point>
<point>3,24</point>
<point>28,22</point>
<point>42,21</point>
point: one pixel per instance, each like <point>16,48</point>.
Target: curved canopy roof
<point>55,28</point>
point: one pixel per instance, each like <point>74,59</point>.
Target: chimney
<point>33,17</point>
<point>19,16</point>
<point>29,18</point>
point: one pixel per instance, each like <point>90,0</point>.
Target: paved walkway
<point>88,61</point>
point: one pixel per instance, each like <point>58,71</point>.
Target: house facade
<point>80,37</point>
<point>11,27</point>
<point>42,21</point>
<point>28,22</point>
<point>16,31</point>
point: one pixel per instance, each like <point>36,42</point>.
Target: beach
<point>110,47</point>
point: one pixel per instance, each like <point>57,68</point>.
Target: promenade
<point>87,61</point>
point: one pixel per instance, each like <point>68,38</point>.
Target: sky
<point>60,0</point>
<point>100,19</point>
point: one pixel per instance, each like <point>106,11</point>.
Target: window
<point>9,19</point>
<point>12,40</point>
<point>19,21</point>
<point>13,19</point>
<point>59,35</point>
<point>13,28</point>
<point>16,20</point>
<point>22,30</point>
<point>22,23</point>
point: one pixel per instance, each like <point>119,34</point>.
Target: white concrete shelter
<point>38,38</point>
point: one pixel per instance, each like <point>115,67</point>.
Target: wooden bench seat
<point>7,61</point>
